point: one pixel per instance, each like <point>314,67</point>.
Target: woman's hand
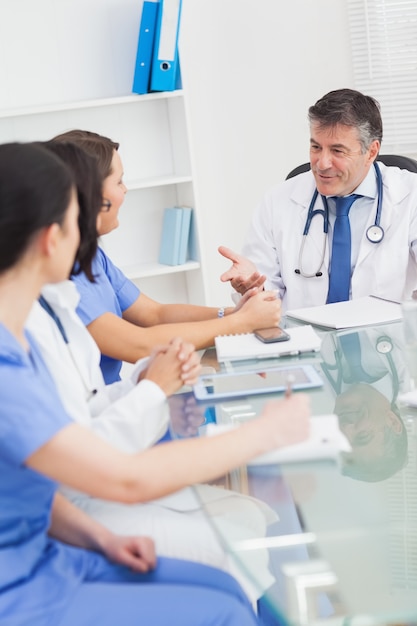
<point>137,553</point>
<point>173,366</point>
<point>287,421</point>
<point>260,309</point>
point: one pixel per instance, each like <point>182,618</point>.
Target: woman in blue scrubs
<point>57,566</point>
<point>125,323</point>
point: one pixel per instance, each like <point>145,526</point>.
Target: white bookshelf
<point>154,146</point>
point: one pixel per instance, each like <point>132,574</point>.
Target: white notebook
<point>365,311</point>
<point>241,347</point>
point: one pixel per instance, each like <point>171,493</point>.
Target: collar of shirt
<point>359,213</point>
<point>63,294</point>
<point>11,351</point>
<point>367,188</point>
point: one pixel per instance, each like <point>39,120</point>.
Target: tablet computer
<point>273,380</point>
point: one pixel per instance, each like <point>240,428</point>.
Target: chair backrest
<point>394,160</point>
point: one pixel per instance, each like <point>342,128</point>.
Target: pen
<point>290,382</point>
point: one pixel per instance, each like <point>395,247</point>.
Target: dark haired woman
<point>55,561</point>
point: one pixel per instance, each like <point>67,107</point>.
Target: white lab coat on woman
<point>387,269</point>
<point>133,417</point>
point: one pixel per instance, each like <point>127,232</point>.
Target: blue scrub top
<point>37,574</point>
<point>44,582</point>
<point>112,292</point>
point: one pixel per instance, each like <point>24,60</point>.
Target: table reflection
<point>355,519</point>
<point>366,371</point>
<point>187,415</point>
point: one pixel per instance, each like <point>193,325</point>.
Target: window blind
<point>384,52</point>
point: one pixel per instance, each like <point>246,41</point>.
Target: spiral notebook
<point>240,347</point>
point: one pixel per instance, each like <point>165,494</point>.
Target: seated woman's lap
<point>175,592</point>
<point>167,571</point>
<point>108,604</point>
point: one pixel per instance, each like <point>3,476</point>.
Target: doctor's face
<point>336,158</point>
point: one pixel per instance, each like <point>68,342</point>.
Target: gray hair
<point>349,108</point>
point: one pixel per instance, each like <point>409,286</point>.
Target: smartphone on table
<point>271,335</point>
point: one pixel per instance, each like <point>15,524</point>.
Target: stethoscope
<point>383,346</point>
<point>374,233</point>
<point>47,307</point>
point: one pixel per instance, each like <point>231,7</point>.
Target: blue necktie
<point>339,279</point>
<point>351,347</point>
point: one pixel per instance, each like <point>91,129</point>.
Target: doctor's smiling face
<point>338,161</point>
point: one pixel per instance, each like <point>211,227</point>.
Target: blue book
<point>147,29</point>
<point>171,235</point>
<point>165,74</point>
<point>185,234</point>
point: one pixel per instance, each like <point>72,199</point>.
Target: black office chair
<point>403,162</point>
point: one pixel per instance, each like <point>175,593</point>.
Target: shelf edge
<point>86,104</point>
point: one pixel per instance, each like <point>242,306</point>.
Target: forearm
<point>176,313</point>
<point>123,340</point>
<point>192,460</point>
<point>77,458</point>
<point>200,334</point>
<point>169,467</point>
<point>72,526</point>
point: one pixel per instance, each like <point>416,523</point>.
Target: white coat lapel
<point>392,196</point>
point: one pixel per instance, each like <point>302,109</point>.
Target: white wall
<point>66,50</point>
<point>251,68</point>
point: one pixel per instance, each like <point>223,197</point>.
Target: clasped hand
<point>173,365</point>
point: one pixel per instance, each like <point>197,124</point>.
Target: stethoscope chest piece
<point>384,345</point>
<point>375,233</point>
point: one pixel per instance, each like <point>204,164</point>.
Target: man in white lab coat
<point>289,245</point>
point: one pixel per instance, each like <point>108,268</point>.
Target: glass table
<point>340,545</point>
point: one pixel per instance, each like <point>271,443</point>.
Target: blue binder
<point>147,29</point>
<point>165,74</point>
